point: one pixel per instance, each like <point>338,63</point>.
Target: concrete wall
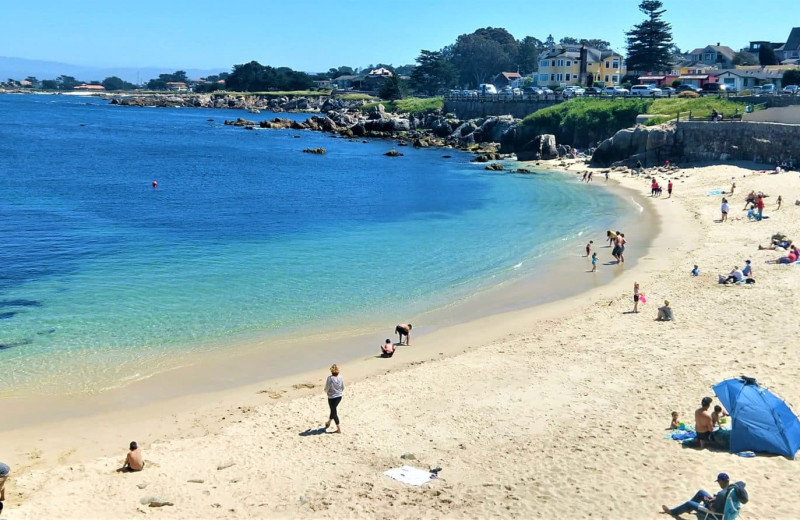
<point>786,115</point>
<point>768,143</point>
<point>484,108</point>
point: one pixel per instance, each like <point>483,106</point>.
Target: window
<point>543,77</point>
<point>569,63</point>
<point>567,77</point>
<point>608,64</point>
<point>552,63</point>
<point>560,63</point>
<point>552,77</point>
<point>615,65</point>
<point>606,78</point>
<point>544,63</point>
<point>559,77</point>
<point>615,79</point>
<point>708,57</point>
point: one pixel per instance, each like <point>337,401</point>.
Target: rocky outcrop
<point>648,145</point>
<point>540,147</point>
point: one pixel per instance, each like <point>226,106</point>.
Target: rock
<point>495,167</point>
<point>541,147</point>
<point>225,465</point>
<point>408,456</point>
<point>393,153</point>
<point>155,502</point>
<point>142,485</point>
<point>195,481</point>
<point>318,151</point>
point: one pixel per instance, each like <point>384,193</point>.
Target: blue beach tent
<point>760,420</point>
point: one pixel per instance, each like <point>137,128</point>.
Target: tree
<point>393,87</point>
<point>597,43</point>
<point>49,84</point>
<point>649,42</point>
<point>744,58</point>
<point>478,58</point>
<point>766,55</point>
<point>791,77</point>
<point>528,55</point>
<point>340,71</point>
<point>113,83</point>
<point>549,42</point>
<point>433,74</point>
<point>67,82</point>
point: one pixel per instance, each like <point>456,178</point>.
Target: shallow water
<point>105,277</point>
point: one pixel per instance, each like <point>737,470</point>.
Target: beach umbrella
<point>760,420</point>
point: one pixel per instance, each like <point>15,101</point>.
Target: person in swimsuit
<point>589,247</point>
<point>404,329</point>
<point>703,424</point>
<point>594,262</point>
<point>387,349</point>
<point>636,293</point>
<point>135,460</point>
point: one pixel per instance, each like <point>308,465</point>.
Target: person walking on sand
<point>760,204</point>
<point>403,329</point>
<point>594,262</point>
<point>779,201</point>
<point>724,209</point>
<point>134,461</point>
<point>636,293</point>
<point>334,388</point>
<point>669,189</point>
<point>4,471</point>
<point>589,247</point>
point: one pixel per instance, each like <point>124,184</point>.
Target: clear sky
<point>314,36</point>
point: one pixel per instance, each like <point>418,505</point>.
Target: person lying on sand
<point>788,259</point>
<point>782,244</point>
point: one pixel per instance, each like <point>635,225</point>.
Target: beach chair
<point>731,512</point>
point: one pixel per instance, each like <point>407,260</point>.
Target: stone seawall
<point>478,108</point>
<point>768,143</point>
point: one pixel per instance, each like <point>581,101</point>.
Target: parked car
<point>574,90</point>
<point>667,91</point>
<point>505,92</point>
<point>790,89</point>
<point>714,88</point>
<point>645,91</point>
<point>616,90</point>
<point>546,90</point>
<point>593,91</point>
<point>769,88</point>
<point>486,88</point>
<point>685,88</point>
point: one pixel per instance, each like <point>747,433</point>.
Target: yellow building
<point>560,65</point>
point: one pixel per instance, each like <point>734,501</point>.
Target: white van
<point>645,90</point>
<point>486,88</point>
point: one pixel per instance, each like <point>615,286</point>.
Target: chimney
<point>582,68</point>
<point>717,44</point>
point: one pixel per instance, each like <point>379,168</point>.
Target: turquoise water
<point>245,235</point>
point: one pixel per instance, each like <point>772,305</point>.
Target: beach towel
<point>716,192</point>
<point>410,475</point>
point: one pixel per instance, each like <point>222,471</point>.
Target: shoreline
<point>530,417</point>
<point>223,370</point>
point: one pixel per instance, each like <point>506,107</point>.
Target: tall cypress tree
<point>766,55</point>
<point>649,42</point>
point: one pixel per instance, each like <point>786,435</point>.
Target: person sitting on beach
<point>665,312</point>
<point>702,422</point>
<point>747,272</point>
<point>715,415</point>
<point>404,330</point>
<point>752,214</point>
<point>676,423</point>
<point>696,271</point>
<point>714,503</point>
<point>5,469</point>
<point>134,461</point>
<point>387,349</point>
<point>781,243</point>
<point>735,276</point>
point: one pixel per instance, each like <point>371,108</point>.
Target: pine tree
<point>649,42</point>
<point>766,55</point>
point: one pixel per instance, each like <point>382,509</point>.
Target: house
<point>375,78</point>
<point>563,65</point>
<point>656,80</point>
<point>89,87</point>
<point>791,49</point>
<point>349,81</point>
<point>745,78</point>
<point>177,86</point>
<point>323,83</point>
<point>508,79</point>
<point>720,56</point>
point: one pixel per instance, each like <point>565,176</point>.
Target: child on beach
<point>594,262</point>
<point>589,247</point>
<point>715,416</point>
<point>696,271</point>
<point>779,201</point>
<point>675,424</point>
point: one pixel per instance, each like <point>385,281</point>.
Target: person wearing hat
<point>747,271</point>
<point>703,425</point>
<point>716,503</point>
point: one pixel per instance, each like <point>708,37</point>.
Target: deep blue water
<point>245,234</point>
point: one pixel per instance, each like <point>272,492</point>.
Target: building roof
<point>757,74</point>
<point>720,49</point>
<point>694,76</point>
<point>651,78</point>
<point>511,75</point>
<point>90,87</point>
<point>380,72</point>
<point>793,42</point>
<point>574,52</point>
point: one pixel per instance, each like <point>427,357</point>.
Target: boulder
<point>495,167</point>
<point>541,147</point>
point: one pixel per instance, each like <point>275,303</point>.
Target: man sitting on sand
<point>387,349</point>
<point>703,425</point>
<point>735,276</point>
<point>404,329</point>
<point>135,460</point>
<point>665,312</point>
<point>715,503</point>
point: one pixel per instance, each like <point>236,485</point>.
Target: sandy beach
<point>548,412</point>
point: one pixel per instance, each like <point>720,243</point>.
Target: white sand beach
<point>557,411</point>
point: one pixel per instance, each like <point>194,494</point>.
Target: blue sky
<point>311,35</point>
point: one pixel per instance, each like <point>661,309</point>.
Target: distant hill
<point>21,68</point>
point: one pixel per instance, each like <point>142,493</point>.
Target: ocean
<point>106,279</point>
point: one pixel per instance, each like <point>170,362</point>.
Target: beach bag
<point>642,298</point>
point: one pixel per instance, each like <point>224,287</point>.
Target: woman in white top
<point>334,387</point>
